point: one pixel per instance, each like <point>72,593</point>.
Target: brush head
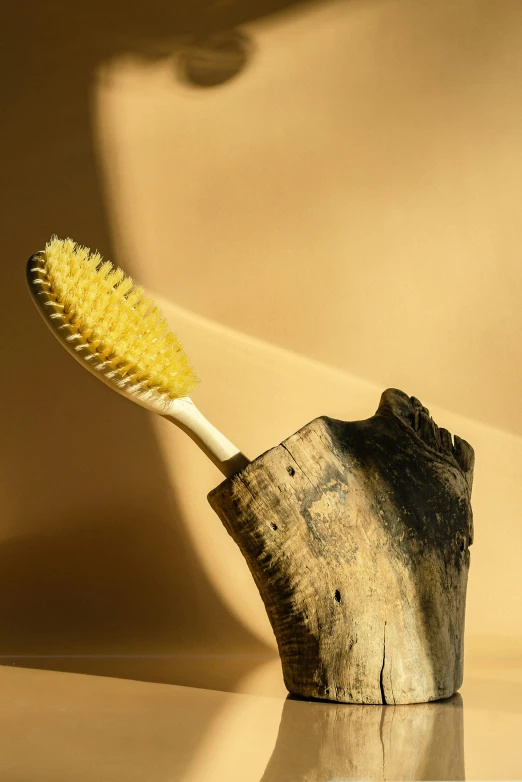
<point>108,324</point>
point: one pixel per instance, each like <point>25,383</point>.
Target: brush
<point>108,324</point>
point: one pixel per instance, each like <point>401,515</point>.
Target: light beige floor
<point>63,726</point>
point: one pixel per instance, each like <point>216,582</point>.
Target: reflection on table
<point>327,742</point>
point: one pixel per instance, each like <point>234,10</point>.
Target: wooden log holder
<point>357,536</point>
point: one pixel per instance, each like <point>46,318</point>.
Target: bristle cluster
<point>115,321</point>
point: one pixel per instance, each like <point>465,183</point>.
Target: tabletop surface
<point>69,726</point>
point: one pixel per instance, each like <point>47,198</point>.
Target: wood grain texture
<point>357,536</point>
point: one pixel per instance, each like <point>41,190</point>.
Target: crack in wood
<point>381,677</point>
<point>296,462</point>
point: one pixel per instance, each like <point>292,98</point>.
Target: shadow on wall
<point>94,558</point>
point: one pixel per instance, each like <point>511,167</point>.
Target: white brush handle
<point>184,413</point>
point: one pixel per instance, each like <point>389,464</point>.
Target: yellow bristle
<point>121,325</point>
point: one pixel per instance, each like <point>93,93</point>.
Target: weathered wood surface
<point>330,741</point>
<point>357,536</point>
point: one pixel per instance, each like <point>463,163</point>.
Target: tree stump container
<point>357,536</point>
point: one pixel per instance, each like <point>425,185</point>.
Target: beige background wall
<point>339,218</point>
